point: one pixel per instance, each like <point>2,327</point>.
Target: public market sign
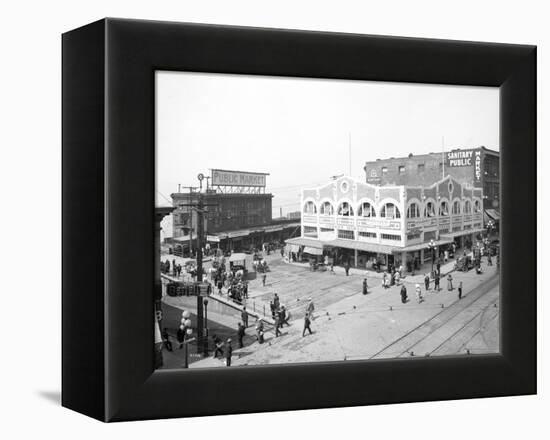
<point>462,158</point>
<point>237,178</point>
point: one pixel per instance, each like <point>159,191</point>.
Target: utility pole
<point>200,208</point>
<point>443,154</point>
<point>191,189</point>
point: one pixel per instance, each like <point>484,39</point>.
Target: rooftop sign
<point>237,178</point>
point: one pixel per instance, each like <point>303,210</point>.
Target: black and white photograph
<point>310,220</point>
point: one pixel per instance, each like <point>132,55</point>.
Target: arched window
<point>326,209</point>
<point>456,207</point>
<point>310,208</point>
<point>413,211</point>
<point>429,210</point>
<point>477,209</point>
<point>345,209</point>
<point>467,207</point>
<point>366,210</point>
<point>389,210</point>
<point>444,208</point>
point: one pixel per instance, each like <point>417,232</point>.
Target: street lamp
<point>187,331</point>
<point>490,226</point>
<point>205,326</point>
<point>432,246</point>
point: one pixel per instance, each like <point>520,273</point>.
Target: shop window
<point>389,210</point>
<point>367,234</point>
<point>413,236</point>
<point>326,209</point>
<point>345,209</point>
<point>366,210</point>
<point>401,169</point>
<point>429,210</point>
<point>310,208</point>
<point>413,211</point>
<point>348,235</point>
<point>326,230</point>
<point>391,237</point>
<point>444,208</point>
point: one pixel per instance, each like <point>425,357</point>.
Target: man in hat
<point>307,323</point>
<point>244,316</point>
<point>228,352</point>
<point>403,294</point>
<point>240,334</point>
<point>427,282</point>
<point>365,286</point>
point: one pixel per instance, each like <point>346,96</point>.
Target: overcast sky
<point>298,130</point>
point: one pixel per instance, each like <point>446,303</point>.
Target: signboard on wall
<point>460,158</point>
<point>373,176</point>
<point>237,178</point>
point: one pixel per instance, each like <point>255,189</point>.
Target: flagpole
<point>443,154</point>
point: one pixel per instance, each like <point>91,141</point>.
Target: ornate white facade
<point>388,219</point>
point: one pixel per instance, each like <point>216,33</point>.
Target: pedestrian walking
<point>240,334</point>
<point>228,352</point>
<point>244,317</point>
<point>438,268</point>
<point>307,323</point>
<point>180,335</point>
<point>310,308</point>
<point>218,346</point>
<point>365,291</point>
<point>277,324</point>
<point>346,268</point>
<point>449,282</point>
<point>260,330</point>
<point>264,276</point>
<point>397,277</point>
<point>436,282</point>
<point>489,259</point>
<point>446,256</point>
<point>460,290</point>
<point>166,340</point>
<point>276,302</point>
<point>403,294</point>
<point>384,280</point>
<point>419,297</point>
<point>427,282</point>
<point>284,316</point>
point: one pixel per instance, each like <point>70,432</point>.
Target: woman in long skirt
<point>449,282</point>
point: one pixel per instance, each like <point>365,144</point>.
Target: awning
<point>493,214</point>
<point>420,246</point>
<point>361,246</point>
<point>452,235</point>
<point>310,242</point>
<point>293,247</point>
<point>312,251</point>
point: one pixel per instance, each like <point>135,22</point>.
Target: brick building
<point>478,167</point>
<point>239,216</point>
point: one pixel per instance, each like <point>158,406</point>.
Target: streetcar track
<point>489,283</point>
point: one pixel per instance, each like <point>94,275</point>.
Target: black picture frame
<point>108,219</point>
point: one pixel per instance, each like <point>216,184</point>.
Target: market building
<point>361,223</point>
<point>477,167</point>
<point>238,214</point>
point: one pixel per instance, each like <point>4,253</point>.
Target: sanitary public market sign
<point>237,178</point>
<point>460,158</point>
